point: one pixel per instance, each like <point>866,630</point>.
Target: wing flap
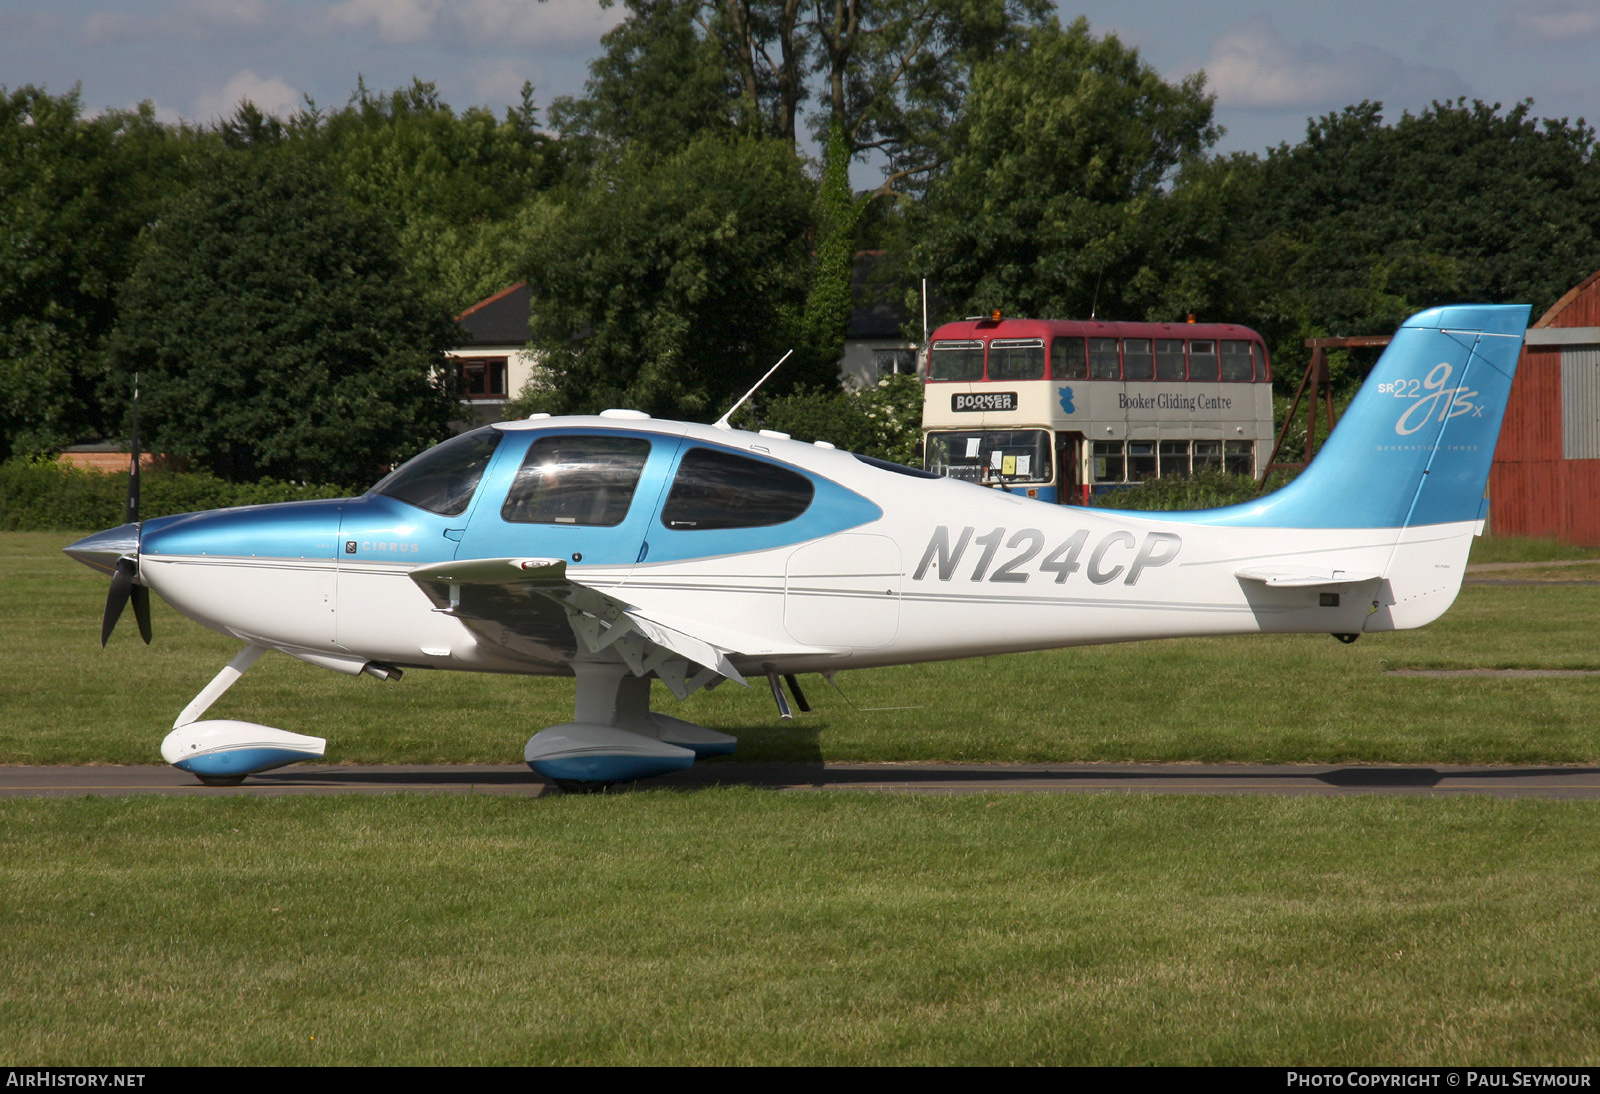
<point>600,620</point>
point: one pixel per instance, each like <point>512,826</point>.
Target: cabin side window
<point>588,480</point>
<point>442,480</point>
<point>715,490</point>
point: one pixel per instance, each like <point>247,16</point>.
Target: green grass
<point>742,926</point>
<point>1520,549</point>
<point>1266,698</point>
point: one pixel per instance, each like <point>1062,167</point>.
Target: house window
<point>895,362</point>
<point>483,377</point>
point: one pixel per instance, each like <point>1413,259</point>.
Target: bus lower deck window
<point>992,456</point>
<point>1238,457</point>
<point>1174,458</point>
<point>1141,460</point>
<point>1207,456</point>
<point>1109,465</point>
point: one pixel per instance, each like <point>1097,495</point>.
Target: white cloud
<point>271,95</point>
<point>105,27</point>
<point>396,21</point>
<point>479,24</point>
<point>1251,65</point>
<point>1554,21</point>
<point>232,14</point>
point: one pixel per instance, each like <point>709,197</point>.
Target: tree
<point>454,185</point>
<point>1364,223</point>
<point>670,285</point>
<point>658,84</point>
<point>74,194</point>
<point>1056,189</point>
<point>889,73</point>
<point>276,333</point>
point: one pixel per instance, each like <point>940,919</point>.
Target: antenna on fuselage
<point>722,422</point>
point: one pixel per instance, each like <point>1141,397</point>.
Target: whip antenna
<point>722,422</point>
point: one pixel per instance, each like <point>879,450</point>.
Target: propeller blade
<point>141,611</point>
<point>122,587</point>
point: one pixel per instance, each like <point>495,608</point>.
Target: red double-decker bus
<point>1059,409</point>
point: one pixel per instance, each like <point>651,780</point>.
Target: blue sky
<point>1271,66</point>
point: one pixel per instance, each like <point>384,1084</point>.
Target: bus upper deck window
<point>1169,359</point>
<point>1103,362</point>
<point>1202,360</point>
<point>1236,363</point>
<point>1016,359</point>
<point>951,360</point>
<point>1137,362</point>
<point>1067,361</point>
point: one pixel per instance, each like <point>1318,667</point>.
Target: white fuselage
<point>949,570</point>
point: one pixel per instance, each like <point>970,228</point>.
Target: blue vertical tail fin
<point>1415,445</point>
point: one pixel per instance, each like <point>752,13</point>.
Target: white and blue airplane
<point>624,550</point>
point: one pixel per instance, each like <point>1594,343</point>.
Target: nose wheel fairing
<point>225,751</point>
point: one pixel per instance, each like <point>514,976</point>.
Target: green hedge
<point>1202,490</point>
<point>45,496</point>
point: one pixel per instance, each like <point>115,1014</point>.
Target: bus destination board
<point>981,401</point>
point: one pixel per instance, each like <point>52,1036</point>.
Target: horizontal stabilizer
<point>1297,576</point>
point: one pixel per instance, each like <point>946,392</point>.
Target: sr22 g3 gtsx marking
<point>1117,554</point>
<point>1431,392</point>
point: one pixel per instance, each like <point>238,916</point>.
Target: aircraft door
<point>414,517</point>
<point>583,497</point>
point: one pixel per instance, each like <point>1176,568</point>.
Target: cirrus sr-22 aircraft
<point>624,550</point>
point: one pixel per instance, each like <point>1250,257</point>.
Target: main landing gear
<point>615,736</point>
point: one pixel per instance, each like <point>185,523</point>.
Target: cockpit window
<point>586,480</point>
<point>715,489</point>
<point>442,479</point>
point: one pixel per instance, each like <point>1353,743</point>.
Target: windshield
<point>443,478</point>
<point>991,456</point>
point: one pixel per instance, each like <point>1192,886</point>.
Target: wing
<point>520,598</point>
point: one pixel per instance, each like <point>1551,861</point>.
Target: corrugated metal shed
<point>1546,475</point>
